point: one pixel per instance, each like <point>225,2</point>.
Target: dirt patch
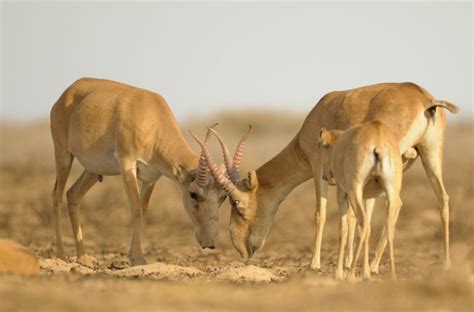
<point>247,273</point>
<point>159,270</point>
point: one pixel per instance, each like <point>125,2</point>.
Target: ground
<point>181,276</point>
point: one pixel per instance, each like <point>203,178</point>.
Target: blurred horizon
<point>209,58</point>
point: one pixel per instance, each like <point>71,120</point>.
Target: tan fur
<point>116,129</point>
<point>408,110</point>
<point>16,259</point>
<point>365,153</point>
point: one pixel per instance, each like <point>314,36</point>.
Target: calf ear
<point>324,137</point>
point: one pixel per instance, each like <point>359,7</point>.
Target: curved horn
<point>239,153</point>
<point>220,177</point>
<point>202,178</point>
<point>226,154</point>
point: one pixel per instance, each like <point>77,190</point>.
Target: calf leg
<point>352,223</point>
<point>343,231</point>
<point>381,245</point>
<point>369,207</point>
<point>359,210</point>
<point>394,205</point>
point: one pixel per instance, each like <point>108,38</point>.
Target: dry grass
<point>27,177</point>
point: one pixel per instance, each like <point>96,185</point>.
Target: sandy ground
<point>181,276</point>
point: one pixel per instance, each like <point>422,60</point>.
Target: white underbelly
<point>102,164</point>
<point>108,164</point>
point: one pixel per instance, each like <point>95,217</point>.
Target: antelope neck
<point>288,169</point>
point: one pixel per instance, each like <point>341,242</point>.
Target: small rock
<point>82,270</point>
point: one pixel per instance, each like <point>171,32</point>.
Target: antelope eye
<point>236,203</point>
<point>193,195</point>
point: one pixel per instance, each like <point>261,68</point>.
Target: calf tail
<point>377,155</point>
<point>380,161</point>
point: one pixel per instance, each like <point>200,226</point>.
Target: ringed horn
<point>203,178</point>
<point>233,164</point>
<point>220,176</point>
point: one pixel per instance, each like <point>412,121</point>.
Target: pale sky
<point>208,57</point>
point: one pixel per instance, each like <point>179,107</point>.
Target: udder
<point>373,189</point>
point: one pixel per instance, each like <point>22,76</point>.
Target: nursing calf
<point>363,154</point>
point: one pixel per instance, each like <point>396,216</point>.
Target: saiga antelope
<point>353,158</point>
<point>406,109</point>
<point>116,129</point>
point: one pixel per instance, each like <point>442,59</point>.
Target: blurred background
<point>266,64</point>
<point>208,57</point>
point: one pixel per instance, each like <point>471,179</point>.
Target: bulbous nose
<point>251,248</point>
<point>251,251</point>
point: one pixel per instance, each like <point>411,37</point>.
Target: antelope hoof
<point>137,260</point>
<point>447,264</point>
<point>352,278</point>
<point>348,263</point>
<point>60,255</point>
<point>86,261</point>
<point>339,275</point>
<point>366,275</point>
<point>315,266</point>
<point>374,268</point>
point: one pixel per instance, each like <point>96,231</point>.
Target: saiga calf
<point>353,158</point>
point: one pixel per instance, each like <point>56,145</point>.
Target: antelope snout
<point>210,247</point>
<point>252,247</point>
<point>206,236</point>
<point>207,243</point>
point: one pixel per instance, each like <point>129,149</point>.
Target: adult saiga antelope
<point>116,129</point>
<point>406,109</point>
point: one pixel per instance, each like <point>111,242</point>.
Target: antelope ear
<point>183,177</point>
<point>251,182</point>
<point>324,137</point>
<point>195,188</point>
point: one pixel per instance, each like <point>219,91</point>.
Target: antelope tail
<point>449,106</point>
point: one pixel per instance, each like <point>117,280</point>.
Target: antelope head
<point>247,228</point>
<point>202,197</point>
